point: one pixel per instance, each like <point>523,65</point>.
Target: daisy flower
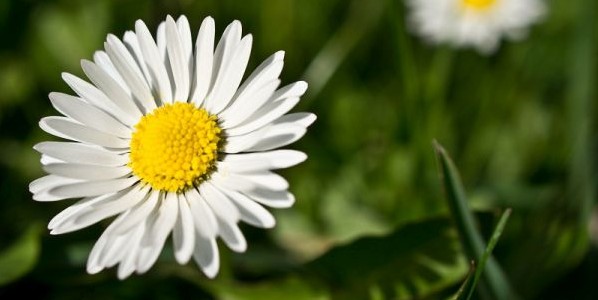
<point>473,23</point>
<point>168,140</point>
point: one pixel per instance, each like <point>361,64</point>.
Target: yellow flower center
<point>478,4</point>
<point>174,147</point>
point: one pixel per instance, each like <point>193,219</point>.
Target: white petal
<point>96,97</point>
<point>204,57</point>
<point>251,181</point>
<point>92,188</point>
<point>128,264</point>
<point>278,136</point>
<point>74,152</point>
<point>279,133</point>
<point>87,114</point>
<point>251,212</point>
<point>187,43</point>
<point>232,181</point>
<point>69,219</point>
<point>222,56</point>
<point>49,181</point>
<point>229,40</point>
<point>263,116</point>
<point>203,217</point>
<point>268,180</point>
<point>167,217</point>
<point>45,196</point>
<point>183,236</point>
<point>91,210</point>
<point>226,167</point>
<point>128,69</point>
<point>206,255</point>
<point>68,129</point>
<point>277,159</point>
<point>229,76</point>
<point>220,204</point>
<point>118,247</point>
<point>185,34</point>
<point>103,61</point>
<point>93,260</point>
<point>249,105</point>
<point>155,62</point>
<point>236,144</point>
<point>46,160</point>
<point>232,235</point>
<point>161,40</point>
<point>301,118</point>
<point>157,233</point>
<point>68,215</point>
<point>130,41</point>
<point>267,72</point>
<point>89,172</point>
<point>138,213</point>
<point>148,251</point>
<point>113,90</point>
<point>41,186</point>
<point>178,61</point>
<point>293,90</point>
<point>276,199</point>
<point>117,204</point>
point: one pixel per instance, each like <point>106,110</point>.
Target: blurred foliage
<point>367,224</point>
<point>21,257</point>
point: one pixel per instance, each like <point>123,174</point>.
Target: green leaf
<point>21,256</point>
<point>288,288</point>
<point>494,278</point>
<point>416,260</point>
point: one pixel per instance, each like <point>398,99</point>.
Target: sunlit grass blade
<point>494,278</point>
<point>488,252</point>
<point>359,21</point>
<point>466,290</point>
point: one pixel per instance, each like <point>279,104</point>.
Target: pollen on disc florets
<point>175,146</point>
<point>478,4</point>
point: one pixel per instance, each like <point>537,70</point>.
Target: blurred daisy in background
<point>167,139</point>
<point>473,23</point>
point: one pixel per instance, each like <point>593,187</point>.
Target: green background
<point>371,220</point>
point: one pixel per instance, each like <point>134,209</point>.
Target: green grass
<point>520,125</point>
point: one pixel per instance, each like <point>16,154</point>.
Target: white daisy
<point>473,23</point>
<point>167,139</point>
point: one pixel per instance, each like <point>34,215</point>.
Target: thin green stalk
<point>488,252</point>
<point>494,278</point>
<point>465,292</point>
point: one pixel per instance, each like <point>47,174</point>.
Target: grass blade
<point>488,252</point>
<point>493,276</point>
<point>359,21</point>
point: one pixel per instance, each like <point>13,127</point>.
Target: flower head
<point>168,140</point>
<point>473,23</point>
